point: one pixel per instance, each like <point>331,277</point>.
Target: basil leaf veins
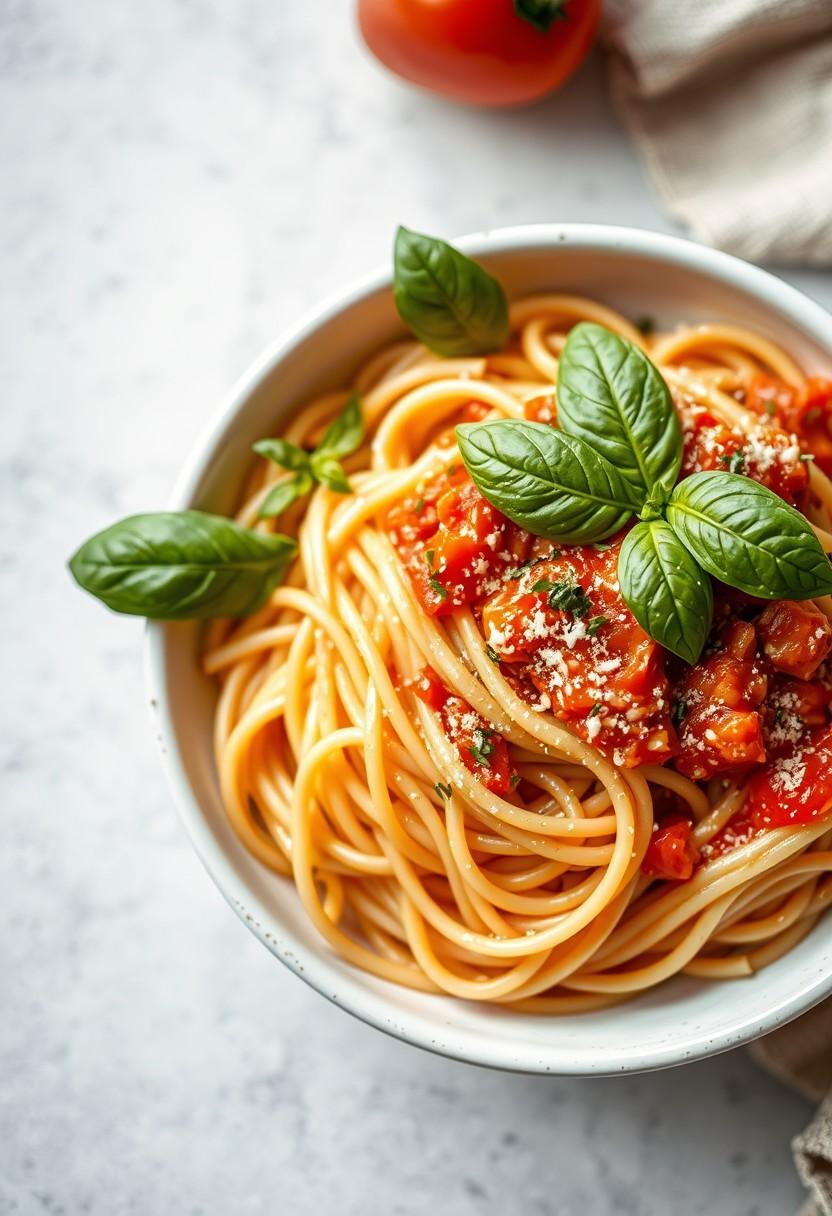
<point>664,588</point>
<point>745,535</point>
<point>447,300</point>
<point>611,395</point>
<point>549,482</point>
<point>181,565</point>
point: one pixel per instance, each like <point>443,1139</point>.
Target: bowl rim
<point>317,969</point>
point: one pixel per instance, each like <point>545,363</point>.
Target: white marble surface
<point>176,181</point>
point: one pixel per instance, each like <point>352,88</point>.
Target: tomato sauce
<point>769,454</point>
<point>756,707</point>
<point>795,788</point>
<point>805,412</point>
<point>671,853</point>
<point>481,749</point>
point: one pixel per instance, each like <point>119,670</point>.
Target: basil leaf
<point>284,494</point>
<point>446,300</point>
<point>664,588</point>
<point>287,455</point>
<point>541,13</point>
<point>345,433</point>
<point>329,473</point>
<point>550,483</point>
<point>610,394</point>
<point>746,536</point>
<point>181,565</point>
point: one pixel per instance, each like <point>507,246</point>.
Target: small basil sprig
<point>181,565</point>
<point>447,300</point>
<point>340,439</point>
<point>619,453</point>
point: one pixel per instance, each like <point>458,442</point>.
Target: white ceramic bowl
<point>640,273</point>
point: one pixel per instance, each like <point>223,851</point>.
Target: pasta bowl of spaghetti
<point>513,737</point>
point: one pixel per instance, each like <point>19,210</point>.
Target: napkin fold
<point>801,1055</point>
<point>730,103</point>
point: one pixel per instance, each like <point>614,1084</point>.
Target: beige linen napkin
<point>801,1055</point>
<point>730,102</point>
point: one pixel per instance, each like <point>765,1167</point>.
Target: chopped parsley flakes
<point>734,461</point>
<point>482,747</point>
<point>564,595</point>
<point>595,624</point>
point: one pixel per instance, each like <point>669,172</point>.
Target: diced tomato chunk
<point>581,649</point>
<point>542,409</point>
<point>709,444</point>
<point>671,852</point>
<point>807,412</point>
<point>481,749</point>
<point>793,708</point>
<point>430,689</point>
<point>474,411</point>
<point>796,636</point>
<point>769,455</point>
<point>721,730</point>
<point>451,540</point>
<point>772,398</point>
<point>814,426</point>
<point>794,789</point>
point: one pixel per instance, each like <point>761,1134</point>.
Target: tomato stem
<point>541,13</point>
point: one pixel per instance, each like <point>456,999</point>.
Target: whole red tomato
<point>486,52</point>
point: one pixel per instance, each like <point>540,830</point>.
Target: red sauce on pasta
<point>554,622</point>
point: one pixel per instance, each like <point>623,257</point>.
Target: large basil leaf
<point>181,565</point>
<point>746,536</point>
<point>447,301</point>
<point>664,588</point>
<point>611,395</point>
<point>551,483</point>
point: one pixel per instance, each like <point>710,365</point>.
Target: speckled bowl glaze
<point>640,273</point>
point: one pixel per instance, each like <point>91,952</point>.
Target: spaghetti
<point>469,809</point>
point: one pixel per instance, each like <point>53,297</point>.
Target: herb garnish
<point>437,588</point>
<point>343,435</point>
<point>595,624</point>
<point>733,461</point>
<point>447,300</point>
<point>680,709</point>
<point>181,566</point>
<point>444,791</point>
<point>492,653</point>
<point>618,453</point>
<point>482,747</point>
<point>565,595</point>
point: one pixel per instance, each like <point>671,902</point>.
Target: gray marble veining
<point>177,180</point>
